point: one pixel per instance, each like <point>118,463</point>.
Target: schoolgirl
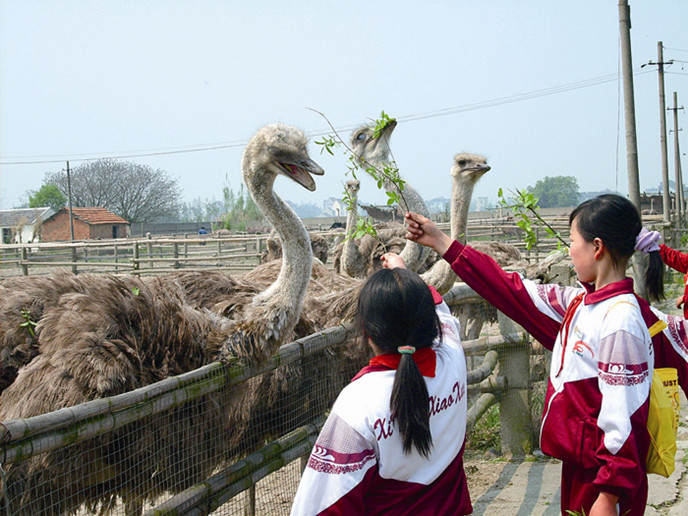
<point>596,405</point>
<point>393,442</point>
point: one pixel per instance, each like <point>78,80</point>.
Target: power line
<point>553,90</point>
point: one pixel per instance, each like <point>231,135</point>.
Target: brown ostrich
<point>273,249</point>
<point>105,337</point>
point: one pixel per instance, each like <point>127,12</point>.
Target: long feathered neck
<point>462,191</point>
<point>351,256</point>
<point>440,275</point>
<point>280,304</point>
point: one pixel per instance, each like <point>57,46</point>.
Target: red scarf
<point>425,359</point>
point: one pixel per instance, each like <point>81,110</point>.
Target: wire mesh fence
<point>221,439</point>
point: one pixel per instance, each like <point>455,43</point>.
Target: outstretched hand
<point>425,232</point>
<point>392,261</point>
<point>679,301</point>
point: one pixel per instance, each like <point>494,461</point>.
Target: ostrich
<point>273,249</point>
<point>466,170</point>
<point>374,151</point>
<point>106,337</point>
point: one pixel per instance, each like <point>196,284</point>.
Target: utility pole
<point>639,262</point>
<point>666,195</point>
<point>629,104</point>
<point>680,202</point>
<point>69,192</point>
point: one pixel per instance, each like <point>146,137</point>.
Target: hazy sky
<point>532,85</point>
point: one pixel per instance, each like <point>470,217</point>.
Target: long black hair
<point>616,221</point>
<point>395,308</point>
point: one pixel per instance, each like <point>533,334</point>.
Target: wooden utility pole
<point>680,201</point>
<point>666,195</point>
<point>629,104</point>
<point>69,193</point>
<point>640,263</point>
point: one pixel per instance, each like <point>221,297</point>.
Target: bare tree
<point>137,193</point>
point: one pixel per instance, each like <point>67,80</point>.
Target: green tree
<point>47,195</point>
<point>137,193</point>
<point>556,192</point>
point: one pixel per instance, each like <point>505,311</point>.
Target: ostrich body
<point>375,151</point>
<point>104,337</point>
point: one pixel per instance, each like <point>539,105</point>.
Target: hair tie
<point>646,241</point>
<point>406,350</point>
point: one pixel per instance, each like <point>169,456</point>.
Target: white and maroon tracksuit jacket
<point>358,466</point>
<point>595,413</point>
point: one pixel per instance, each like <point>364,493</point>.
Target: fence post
<point>24,259</point>
<point>149,247</point>
<point>175,251</point>
<point>74,258</point>
<point>136,258</point>
<point>518,437</point>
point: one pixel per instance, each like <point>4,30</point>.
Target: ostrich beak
<point>301,172</point>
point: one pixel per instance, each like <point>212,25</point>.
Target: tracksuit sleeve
<point>339,470</point>
<point>538,308</point>
<point>674,259</point>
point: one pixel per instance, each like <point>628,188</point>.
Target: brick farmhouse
<point>89,223</point>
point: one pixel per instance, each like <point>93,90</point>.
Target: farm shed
<point>23,225</point>
<point>89,223</point>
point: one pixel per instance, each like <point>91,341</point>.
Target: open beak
<point>301,172</point>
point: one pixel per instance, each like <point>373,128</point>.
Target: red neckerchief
<point>425,359</point>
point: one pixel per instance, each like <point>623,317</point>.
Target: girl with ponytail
<point>393,442</point>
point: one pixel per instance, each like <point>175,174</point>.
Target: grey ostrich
<point>374,150</point>
<point>466,170</point>
<point>105,337</point>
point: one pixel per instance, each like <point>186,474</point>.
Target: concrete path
<point>532,487</point>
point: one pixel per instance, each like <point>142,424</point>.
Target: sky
<point>182,86</point>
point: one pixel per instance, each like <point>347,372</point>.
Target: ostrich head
<point>369,149</point>
<point>469,166</point>
<point>353,186</point>
<point>278,149</point>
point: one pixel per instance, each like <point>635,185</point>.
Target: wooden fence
<point>238,253</point>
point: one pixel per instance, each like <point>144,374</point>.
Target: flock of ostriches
<point>98,335</point>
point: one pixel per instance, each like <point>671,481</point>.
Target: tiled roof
<point>96,216</point>
<point>10,218</point>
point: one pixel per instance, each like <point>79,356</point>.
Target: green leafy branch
<point>524,205</point>
<point>388,175</point>
<point>28,323</point>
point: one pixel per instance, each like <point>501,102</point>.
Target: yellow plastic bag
<point>662,422</point>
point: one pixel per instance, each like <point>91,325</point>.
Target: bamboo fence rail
<point>23,439</point>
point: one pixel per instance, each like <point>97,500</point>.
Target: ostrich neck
<point>350,252</point>
<point>461,200</point>
<point>286,294</point>
<point>440,275</point>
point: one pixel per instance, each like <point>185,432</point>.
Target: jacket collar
<point>625,286</point>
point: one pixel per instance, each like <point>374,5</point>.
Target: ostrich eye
<point>461,162</point>
<point>360,137</point>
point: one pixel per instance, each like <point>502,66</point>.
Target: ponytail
<point>397,312</point>
<point>410,413</point>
